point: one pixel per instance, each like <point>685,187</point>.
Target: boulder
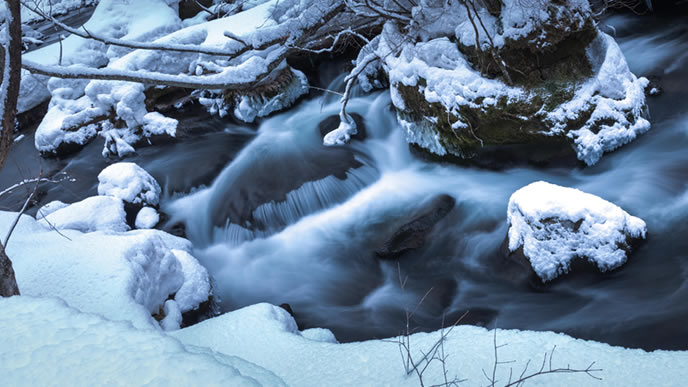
<point>552,226</point>
<point>544,77</point>
<point>412,235</point>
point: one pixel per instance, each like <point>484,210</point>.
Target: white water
<point>277,226</point>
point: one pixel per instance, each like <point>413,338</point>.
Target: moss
<point>507,122</point>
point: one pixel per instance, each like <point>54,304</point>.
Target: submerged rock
<point>552,226</point>
<point>412,234</point>
<point>544,75</point>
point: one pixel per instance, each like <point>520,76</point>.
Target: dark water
<point>277,217</point>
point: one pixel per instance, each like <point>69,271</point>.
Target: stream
<point>277,217</point>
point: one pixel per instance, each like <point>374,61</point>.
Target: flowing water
<point>290,221</point>
<point>277,217</point>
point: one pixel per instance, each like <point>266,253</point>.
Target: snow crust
<point>44,342</point>
<point>556,224</point>
<point>129,182</point>
<point>265,335</point>
<point>196,286</point>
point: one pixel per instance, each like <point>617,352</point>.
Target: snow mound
<point>617,98</point>
<point>97,213</point>
<point>196,287</point>
<point>130,183</point>
<point>147,217</point>
<point>50,208</point>
<point>121,276</point>
<point>113,18</point>
<point>44,342</point>
<point>556,224</point>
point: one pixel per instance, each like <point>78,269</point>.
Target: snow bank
<point>617,97</point>
<point>44,342</point>
<point>89,108</point>
<point>555,224</point>
<point>97,213</point>
<point>266,335</point>
<point>147,217</point>
<point>129,182</point>
<point>50,208</point>
<point>114,18</point>
<point>57,7</point>
<point>119,275</point>
<point>240,347</point>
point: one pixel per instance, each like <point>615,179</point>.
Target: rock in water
<point>130,183</point>
<point>545,84</point>
<point>412,234</point>
<point>552,225</point>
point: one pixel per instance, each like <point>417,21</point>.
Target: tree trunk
<point>8,283</point>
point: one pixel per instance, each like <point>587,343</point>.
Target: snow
<point>260,345</point>
<point>113,18</point>
<point>50,208</point>
<point>209,70</point>
<point>343,133</point>
<point>119,275</point>
<point>44,342</point>
<point>173,316</point>
<point>129,182</point>
<point>615,93</point>
<point>97,213</point>
<point>267,336</point>
<point>57,7</point>
<point>437,69</point>
<point>147,217</point>
<point>249,107</point>
<point>556,224</point>
<point>196,287</point>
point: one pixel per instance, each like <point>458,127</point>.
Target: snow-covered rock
<point>44,342</point>
<point>554,225</point>
<point>565,85</point>
<point>122,276</point>
<point>96,213</point>
<point>129,182</point>
<point>147,217</point>
<point>196,287</point>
